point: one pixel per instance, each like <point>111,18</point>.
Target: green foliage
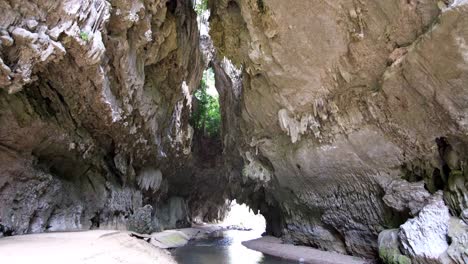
<point>201,6</point>
<point>84,36</point>
<point>206,117</point>
<point>393,256</point>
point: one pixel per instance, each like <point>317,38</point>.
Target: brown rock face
<point>340,119</point>
<point>94,101</point>
<point>342,98</point>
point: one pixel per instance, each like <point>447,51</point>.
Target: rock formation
<point>345,123</point>
<point>341,102</point>
<point>94,102</point>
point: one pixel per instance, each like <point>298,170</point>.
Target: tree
<point>206,117</point>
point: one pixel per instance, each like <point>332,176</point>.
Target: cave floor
<point>89,247</point>
<point>103,247</point>
<point>274,246</point>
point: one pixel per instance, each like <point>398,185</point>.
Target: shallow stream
<point>226,249</point>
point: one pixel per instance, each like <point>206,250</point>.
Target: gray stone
<point>7,41</point>
<point>389,248</point>
<point>142,221</point>
<point>456,193</point>
<point>23,36</point>
<point>464,216</point>
<point>405,196</point>
<point>424,238</point>
<point>323,105</point>
<point>334,105</point>
<point>458,233</point>
<point>85,87</point>
<point>174,213</point>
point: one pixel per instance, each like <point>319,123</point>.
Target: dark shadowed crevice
<point>171,6</point>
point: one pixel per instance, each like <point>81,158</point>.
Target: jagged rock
<point>142,221</point>
<point>90,92</point>
<point>335,104</point>
<point>325,106</point>
<point>456,195</point>
<point>22,36</point>
<point>404,196</point>
<point>424,238</point>
<point>458,233</point>
<point>464,216</point>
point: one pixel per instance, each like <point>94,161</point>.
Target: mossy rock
<point>393,256</point>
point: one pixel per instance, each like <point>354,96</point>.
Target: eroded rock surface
<point>94,102</point>
<point>342,121</point>
<point>424,238</point>
<point>340,101</point>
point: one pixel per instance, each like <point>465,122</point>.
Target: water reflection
<point>224,250</point>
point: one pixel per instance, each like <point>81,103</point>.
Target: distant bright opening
<point>206,115</point>
<point>203,14</point>
<point>242,216</point>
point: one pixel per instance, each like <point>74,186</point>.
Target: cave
<point>339,127</point>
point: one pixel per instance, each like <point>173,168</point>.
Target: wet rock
<point>169,239</point>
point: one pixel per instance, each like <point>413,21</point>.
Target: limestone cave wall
<point>352,118</point>
<point>94,101</point>
<point>345,123</point>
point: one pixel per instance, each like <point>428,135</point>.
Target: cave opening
<point>206,114</point>
<point>243,217</point>
<point>206,118</point>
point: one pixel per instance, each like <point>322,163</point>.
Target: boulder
<point>424,238</point>
<point>389,248</point>
<point>405,196</point>
<point>142,221</point>
<point>458,234</point>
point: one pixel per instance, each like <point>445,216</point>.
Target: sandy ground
<point>273,246</point>
<point>88,247</point>
<point>103,247</point>
<point>99,246</point>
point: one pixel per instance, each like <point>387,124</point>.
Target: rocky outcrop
<point>94,103</point>
<point>389,248</point>
<point>143,221</point>
<point>342,100</point>
<point>406,197</point>
<point>433,236</point>
<point>424,238</point>
<point>343,122</point>
<point>458,233</point>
